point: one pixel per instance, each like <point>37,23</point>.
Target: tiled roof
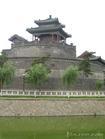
<point>86,54</point>
<point>49,20</point>
<point>17,37</point>
<point>47,29</point>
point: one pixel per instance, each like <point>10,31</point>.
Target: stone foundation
<point>51,107</point>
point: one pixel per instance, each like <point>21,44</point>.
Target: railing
<point>36,93</point>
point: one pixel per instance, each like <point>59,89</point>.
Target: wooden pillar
<point>52,37</point>
<point>64,40</point>
<point>57,37</point>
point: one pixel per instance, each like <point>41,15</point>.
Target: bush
<point>99,84</point>
<point>70,75</point>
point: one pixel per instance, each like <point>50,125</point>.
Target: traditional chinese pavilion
<point>49,38</point>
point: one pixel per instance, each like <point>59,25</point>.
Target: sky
<point>84,20</point>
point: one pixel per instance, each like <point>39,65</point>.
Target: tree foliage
<point>70,75</point>
<point>85,67</point>
<point>6,70</point>
<point>3,59</point>
<point>99,84</point>
<point>37,74</point>
<point>6,73</point>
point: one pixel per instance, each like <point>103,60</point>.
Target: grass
<point>75,127</point>
<point>53,97</point>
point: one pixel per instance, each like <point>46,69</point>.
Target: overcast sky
<point>84,19</point>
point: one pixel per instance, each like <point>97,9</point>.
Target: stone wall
<point>61,56</point>
<point>57,51</point>
<point>51,107</point>
<point>55,63</point>
<point>53,84</point>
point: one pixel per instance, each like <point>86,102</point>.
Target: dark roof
<point>86,54</point>
<point>98,58</point>
<point>92,58</point>
<point>48,25</point>
<point>46,29</point>
<point>18,38</point>
<point>49,20</point>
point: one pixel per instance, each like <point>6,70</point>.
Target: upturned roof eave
<point>39,31</point>
<point>97,58</point>
<point>47,21</point>
<point>45,28</point>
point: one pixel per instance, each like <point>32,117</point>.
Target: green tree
<point>37,74</point>
<point>3,59</point>
<point>6,73</point>
<point>99,84</point>
<point>70,75</point>
<point>85,67</point>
